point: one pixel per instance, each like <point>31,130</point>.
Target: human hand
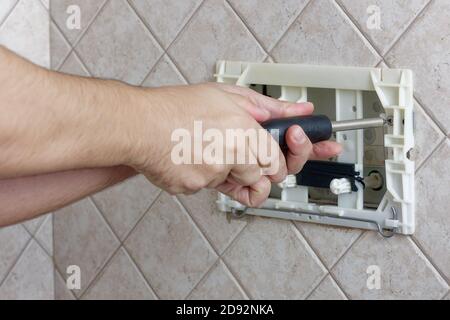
<point>221,107</point>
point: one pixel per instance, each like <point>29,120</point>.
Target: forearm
<point>54,122</point>
<point>27,197</point>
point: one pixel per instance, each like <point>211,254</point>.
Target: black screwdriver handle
<point>317,128</point>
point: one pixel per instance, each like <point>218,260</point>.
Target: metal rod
<point>358,124</point>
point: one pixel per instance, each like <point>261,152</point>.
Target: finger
<point>326,149</point>
<point>282,109</point>
<point>251,196</point>
<point>300,149</point>
<point>246,174</point>
<point>257,113</point>
<point>269,156</point>
<point>276,108</point>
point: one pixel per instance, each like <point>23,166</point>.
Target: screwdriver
<point>319,127</point>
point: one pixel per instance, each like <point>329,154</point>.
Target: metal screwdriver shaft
<point>358,124</point>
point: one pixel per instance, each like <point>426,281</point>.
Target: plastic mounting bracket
<point>394,88</point>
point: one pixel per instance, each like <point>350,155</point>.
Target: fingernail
<point>299,135</point>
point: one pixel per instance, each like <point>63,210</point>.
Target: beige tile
<point>59,47</point>
<point>82,238</point>
<point>432,211</point>
<point>214,224</point>
<point>61,291</point>
<point>31,278</point>
<point>427,135</point>
<point>164,74</point>
<point>272,261</point>
<point>118,46</point>
<point>124,204</point>
<point>214,33</point>
<point>219,284</point>
<point>395,16</point>
<point>12,241</point>
<point>268,19</point>
<point>5,9</point>
<point>424,48</point>
<point>73,65</point>
<point>88,10</point>
<point>34,224</point>
<point>46,3</point>
<point>44,234</point>
<point>327,290</point>
<point>166,18</point>
<point>170,250</point>
<point>330,243</point>
<point>405,273</point>
<point>322,35</point>
<point>120,280</point>
<point>26,32</point>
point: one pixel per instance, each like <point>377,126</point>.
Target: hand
<point>222,107</point>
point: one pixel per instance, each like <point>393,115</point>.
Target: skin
<point>64,137</point>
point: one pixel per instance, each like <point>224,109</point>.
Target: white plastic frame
<point>394,88</point>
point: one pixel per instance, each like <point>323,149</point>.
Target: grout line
<point>141,273</point>
<point>8,14</point>
<point>16,261</point>
<point>363,232</point>
<point>97,276</point>
<point>427,114</point>
<point>320,259</point>
<point>38,230</point>
<point>229,268</point>
<point>202,235</point>
<point>416,242</point>
<point>383,59</point>
<point>249,30</point>
<point>408,27</point>
<point>58,29</point>
<point>128,235</point>
<point>81,35</point>
<point>203,277</point>
<point>219,255</point>
<point>219,252</point>
<point>108,258</point>
<point>427,158</point>
<point>121,245</point>
<point>289,25</point>
<point>417,100</point>
<point>430,115</point>
<point>146,25</point>
<point>316,286</point>
<point>445,295</point>
<point>39,225</point>
<point>56,270</point>
<point>165,49</point>
<point>355,26</point>
<point>111,229</point>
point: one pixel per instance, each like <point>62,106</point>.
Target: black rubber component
<point>317,128</point>
<point>319,174</point>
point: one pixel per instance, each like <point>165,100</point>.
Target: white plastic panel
<point>394,88</point>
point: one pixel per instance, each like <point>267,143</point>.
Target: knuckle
<point>194,184</point>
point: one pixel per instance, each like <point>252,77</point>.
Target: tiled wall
<point>26,267</point>
<point>135,241</point>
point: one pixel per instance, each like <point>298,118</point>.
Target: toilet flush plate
<point>342,93</point>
